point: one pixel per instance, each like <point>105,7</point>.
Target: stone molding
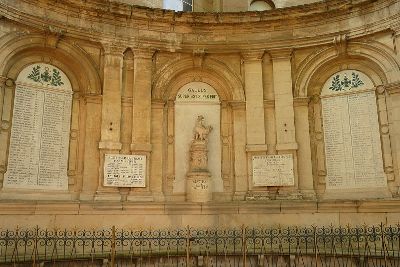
<point>8,207</point>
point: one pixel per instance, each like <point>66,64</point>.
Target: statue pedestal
<point>198,183</point>
<point>198,187</point>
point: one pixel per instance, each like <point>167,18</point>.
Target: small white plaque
<point>125,170</point>
<point>273,170</point>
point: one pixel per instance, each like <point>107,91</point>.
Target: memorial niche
<point>39,143</point>
<point>192,100</point>
<point>351,133</point>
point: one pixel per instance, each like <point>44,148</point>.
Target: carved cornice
<point>103,20</point>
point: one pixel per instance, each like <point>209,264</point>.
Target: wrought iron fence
<point>247,246</point>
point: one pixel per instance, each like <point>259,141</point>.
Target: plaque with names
<point>38,153</point>
<point>273,170</point>
<point>352,141</point>
<point>125,170</point>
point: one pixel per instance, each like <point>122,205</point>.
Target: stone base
<point>198,187</point>
<point>8,194</point>
<point>357,194</point>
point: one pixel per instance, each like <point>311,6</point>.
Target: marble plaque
<point>273,170</point>
<point>352,141</point>
<point>125,170</point>
<point>38,155</point>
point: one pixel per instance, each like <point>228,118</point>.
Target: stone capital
<point>380,89</point>
<point>157,104</point>
<point>238,105</point>
<point>2,80</point>
<point>114,49</point>
<point>281,54</point>
<point>301,101</point>
<point>143,53</point>
<point>252,55</point>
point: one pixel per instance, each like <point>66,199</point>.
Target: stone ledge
<point>184,208</point>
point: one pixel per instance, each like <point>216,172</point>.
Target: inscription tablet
<point>125,170</point>
<point>38,157</point>
<point>273,170</point>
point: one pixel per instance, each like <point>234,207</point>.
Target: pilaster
<point>305,175</point>
<point>255,125</point>
<point>142,118</point>
<point>239,144</point>
<point>110,142</point>
<point>6,95</point>
<point>284,112</point>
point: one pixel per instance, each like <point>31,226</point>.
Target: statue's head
<point>200,118</point>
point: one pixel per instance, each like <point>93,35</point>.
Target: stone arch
<point>20,52</point>
<point>377,62</point>
<point>270,3</point>
<point>174,75</point>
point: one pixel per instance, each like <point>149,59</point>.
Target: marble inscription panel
<point>125,170</point>
<point>38,156</point>
<point>352,141</point>
<point>273,170</point>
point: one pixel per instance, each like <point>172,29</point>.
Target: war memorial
<point>221,133</point>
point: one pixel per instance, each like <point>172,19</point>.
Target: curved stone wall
<point>127,65</point>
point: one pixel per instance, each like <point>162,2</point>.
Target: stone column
<point>110,115</point>
<point>284,111</point>
<point>306,183</point>
<point>239,148</point>
<point>141,116</point>
<point>6,93</point>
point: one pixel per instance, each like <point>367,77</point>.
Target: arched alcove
<point>39,142</point>
<point>192,100</point>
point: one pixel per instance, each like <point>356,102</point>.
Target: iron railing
<point>246,246</point>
